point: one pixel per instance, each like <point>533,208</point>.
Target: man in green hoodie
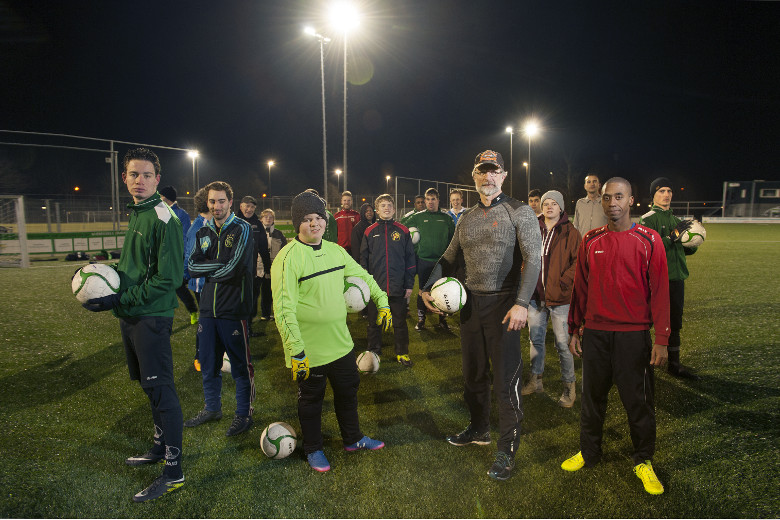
<point>671,228</point>
<point>150,269</point>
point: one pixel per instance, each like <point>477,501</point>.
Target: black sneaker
<point>420,325</point>
<point>443,325</point>
<point>240,424</point>
<point>203,416</point>
<point>147,458</point>
<point>159,487</point>
<point>682,372</point>
<point>502,467</point>
<point>469,436</point>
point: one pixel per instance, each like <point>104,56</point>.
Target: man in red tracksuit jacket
<point>621,289</point>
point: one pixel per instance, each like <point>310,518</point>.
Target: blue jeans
<point>537,326</point>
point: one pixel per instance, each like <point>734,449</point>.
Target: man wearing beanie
<point>168,196</point>
<point>560,242</point>
<point>498,241</point>
<point>307,281</point>
<point>671,228</point>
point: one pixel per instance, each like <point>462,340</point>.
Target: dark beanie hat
<point>169,192</point>
<point>304,204</point>
<point>660,182</point>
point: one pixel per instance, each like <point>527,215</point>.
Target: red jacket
<point>345,221</point>
<point>621,283</point>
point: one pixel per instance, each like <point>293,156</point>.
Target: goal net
<point>13,232</point>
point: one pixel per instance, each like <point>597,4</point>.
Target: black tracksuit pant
<point>400,327</point>
<point>622,358</point>
<point>676,303</point>
<point>344,381</point>
<point>485,342</point>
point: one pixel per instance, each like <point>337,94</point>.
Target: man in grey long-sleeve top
<point>496,250</point>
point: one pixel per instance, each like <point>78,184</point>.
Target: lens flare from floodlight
<point>309,30</point>
<point>531,128</point>
<point>509,130</point>
<point>344,17</point>
<point>271,163</point>
<point>192,154</point>
<point>387,178</point>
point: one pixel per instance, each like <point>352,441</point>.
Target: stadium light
<point>193,154</point>
<point>270,163</point>
<point>531,130</point>
<point>344,18</point>
<point>338,179</point>
<point>511,133</point>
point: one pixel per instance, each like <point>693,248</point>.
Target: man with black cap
<point>168,196</point>
<point>247,212</point>
<point>499,242</point>
<point>307,280</point>
<point>671,228</point>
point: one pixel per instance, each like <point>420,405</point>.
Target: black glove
<point>681,228</point>
<point>104,303</point>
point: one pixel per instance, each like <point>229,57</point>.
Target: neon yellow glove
<point>384,319</point>
<point>300,366</point>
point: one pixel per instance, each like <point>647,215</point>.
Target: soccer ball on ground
<point>368,362</point>
<point>278,440</point>
<point>415,233</point>
<point>694,236</point>
<point>448,295</point>
<point>356,294</point>
<point>94,281</point>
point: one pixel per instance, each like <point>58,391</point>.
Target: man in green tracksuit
<point>671,228</point>
<point>150,269</point>
<point>307,281</point>
<point>436,230</point>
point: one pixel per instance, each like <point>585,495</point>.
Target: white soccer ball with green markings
<point>448,295</point>
<point>415,234</point>
<point>694,236</point>
<point>278,440</point>
<point>356,294</point>
<point>368,362</point>
<point>94,281</point>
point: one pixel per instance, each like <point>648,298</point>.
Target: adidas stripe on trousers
<point>486,343</point>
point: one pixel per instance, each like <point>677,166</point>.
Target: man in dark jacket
<point>560,242</point>
<point>367,217</point>
<point>223,253</point>
<point>247,212</point>
<point>387,253</point>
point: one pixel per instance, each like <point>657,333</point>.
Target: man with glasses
<point>499,242</point>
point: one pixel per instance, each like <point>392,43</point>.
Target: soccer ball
<point>94,281</point>
<point>694,236</point>
<point>448,295</point>
<point>368,362</point>
<point>226,363</point>
<point>415,234</point>
<point>278,440</point>
<point>356,294</point>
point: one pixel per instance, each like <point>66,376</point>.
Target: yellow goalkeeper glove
<point>384,319</point>
<point>300,366</point>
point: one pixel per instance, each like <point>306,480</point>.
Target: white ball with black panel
<point>694,236</point>
<point>448,295</point>
<point>94,281</point>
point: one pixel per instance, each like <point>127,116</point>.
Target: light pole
<point>323,40</point>
<point>511,132</point>
<point>531,130</point>
<point>525,164</point>
<point>338,180</point>
<point>270,163</point>
<point>345,18</point>
<point>193,154</point>
<point>387,184</point>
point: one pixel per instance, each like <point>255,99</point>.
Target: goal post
<point>13,232</point>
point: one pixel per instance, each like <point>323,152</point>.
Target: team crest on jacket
<point>205,243</point>
<point>229,240</point>
<point>395,236</point>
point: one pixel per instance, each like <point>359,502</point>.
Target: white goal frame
<point>21,232</point>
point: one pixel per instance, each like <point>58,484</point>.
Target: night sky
<point>688,90</point>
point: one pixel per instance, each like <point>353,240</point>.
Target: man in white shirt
<point>588,213</point>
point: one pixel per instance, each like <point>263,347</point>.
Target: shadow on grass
<point>59,378</point>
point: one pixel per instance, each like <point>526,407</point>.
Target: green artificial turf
<point>69,416</point>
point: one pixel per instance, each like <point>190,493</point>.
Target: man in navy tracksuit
<point>388,254</point>
<point>224,254</point>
